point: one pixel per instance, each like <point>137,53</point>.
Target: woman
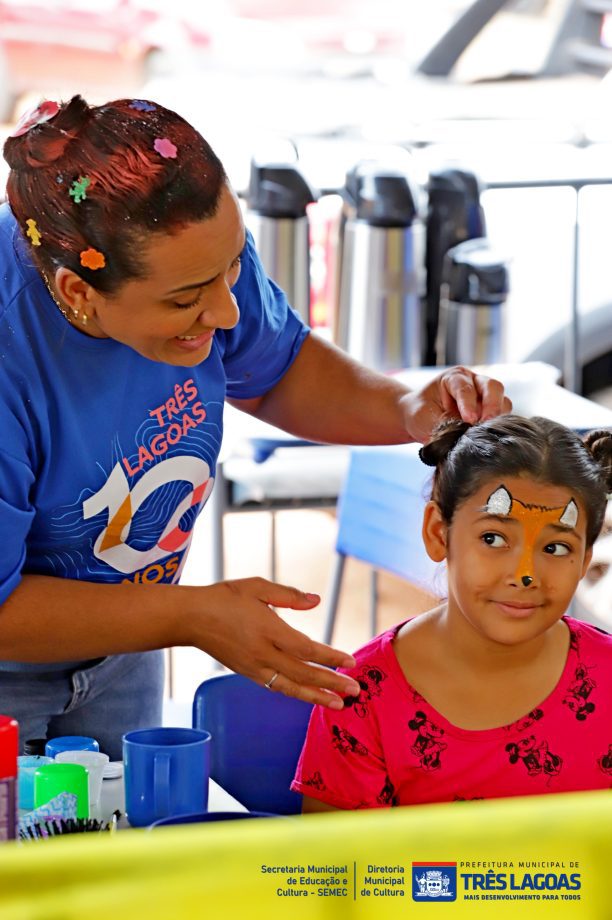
<point>133,305</point>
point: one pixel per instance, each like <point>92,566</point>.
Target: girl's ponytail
<point>443,440</point>
<point>599,445</point>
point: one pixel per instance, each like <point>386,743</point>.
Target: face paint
<point>533,518</point>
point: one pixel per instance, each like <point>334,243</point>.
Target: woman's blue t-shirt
<point>106,457</point>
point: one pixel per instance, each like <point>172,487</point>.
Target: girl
<point>496,692</point>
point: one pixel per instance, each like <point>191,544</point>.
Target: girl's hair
<point>138,185</point>
<point>510,445</point>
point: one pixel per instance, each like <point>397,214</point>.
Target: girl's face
<point>515,551</point>
<point>172,314</point>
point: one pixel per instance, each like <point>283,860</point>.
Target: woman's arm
<point>327,396</point>
<point>55,619</point>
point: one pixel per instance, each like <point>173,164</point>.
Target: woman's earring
<point>84,318</point>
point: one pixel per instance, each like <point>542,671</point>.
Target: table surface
<point>113,798</point>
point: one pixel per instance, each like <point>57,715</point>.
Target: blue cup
<point>166,773</point>
<point>27,765</point>
<point>70,743</point>
<point>207,816</point>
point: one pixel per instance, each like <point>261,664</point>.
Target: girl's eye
<point>192,303</point>
<point>557,549</point>
<point>493,539</point>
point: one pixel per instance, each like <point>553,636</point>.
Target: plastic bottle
<point>9,745</point>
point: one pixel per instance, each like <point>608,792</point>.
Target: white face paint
<point>499,502</point>
<point>570,515</point>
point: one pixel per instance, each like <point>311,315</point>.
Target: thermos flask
<point>472,305</point>
<point>277,199</point>
<point>454,214</point>
<point>382,276</point>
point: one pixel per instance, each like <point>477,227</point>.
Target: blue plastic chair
<point>257,737</point>
<point>380,512</point>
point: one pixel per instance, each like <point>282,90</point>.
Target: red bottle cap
<point>9,746</point>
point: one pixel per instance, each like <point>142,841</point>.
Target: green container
<point>54,778</point>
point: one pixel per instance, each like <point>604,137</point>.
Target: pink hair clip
<point>165,148</point>
<point>91,258</point>
<point>45,111</point>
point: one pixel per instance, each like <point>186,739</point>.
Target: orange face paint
<point>533,519</point>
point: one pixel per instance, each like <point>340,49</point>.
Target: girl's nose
<point>525,570</point>
<point>524,577</point>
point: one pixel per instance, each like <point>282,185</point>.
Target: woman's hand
<point>457,391</point>
<point>237,626</point>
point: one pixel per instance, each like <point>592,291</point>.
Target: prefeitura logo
<point>434,881</point>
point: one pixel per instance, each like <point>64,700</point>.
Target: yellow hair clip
<point>33,232</point>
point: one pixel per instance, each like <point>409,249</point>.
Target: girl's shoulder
<point>377,647</point>
<point>585,637</point>
<point>382,656</point>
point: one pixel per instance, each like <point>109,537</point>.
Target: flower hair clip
<point>165,148</point>
<point>141,105</point>
<point>43,112</point>
<point>92,259</point>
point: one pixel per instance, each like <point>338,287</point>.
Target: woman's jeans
<point>102,699</point>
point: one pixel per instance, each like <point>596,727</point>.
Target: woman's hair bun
<point>46,142</point>
<point>599,443</point>
<point>444,437</point>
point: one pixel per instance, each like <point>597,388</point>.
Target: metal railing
<point>571,363</point>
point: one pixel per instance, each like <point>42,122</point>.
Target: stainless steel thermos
<point>277,199</point>
<point>472,305</point>
<point>382,277</point>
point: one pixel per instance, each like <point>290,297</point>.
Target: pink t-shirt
<point>390,747</point>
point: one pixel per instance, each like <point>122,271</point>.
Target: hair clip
<point>33,232</point>
<point>79,188</point>
<point>141,105</point>
<point>44,111</point>
<point>91,258</point>
<point>165,148</point>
